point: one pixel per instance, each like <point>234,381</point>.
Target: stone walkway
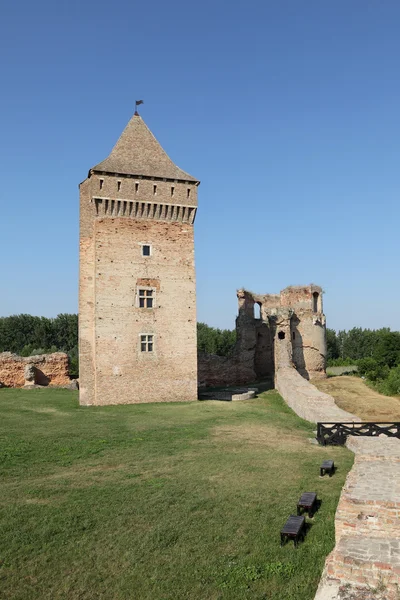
<point>306,401</point>
<point>367,552</point>
<point>365,563</point>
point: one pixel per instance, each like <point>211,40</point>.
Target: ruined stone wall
<point>216,370</point>
<point>49,369</point>
<point>309,344</point>
<point>296,313</point>
<point>113,369</point>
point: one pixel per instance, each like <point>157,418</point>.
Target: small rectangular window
<point>172,191</point>
<point>119,185</point>
<point>294,335</point>
<point>146,343</point>
<point>188,192</point>
<point>146,298</point>
<point>136,187</point>
<point>154,190</point>
<point>101,183</point>
<point>146,250</point>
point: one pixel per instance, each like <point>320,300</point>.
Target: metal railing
<point>337,433</point>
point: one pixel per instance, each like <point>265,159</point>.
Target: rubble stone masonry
<point>49,369</point>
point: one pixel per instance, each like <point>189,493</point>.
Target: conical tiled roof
<point>137,152</point>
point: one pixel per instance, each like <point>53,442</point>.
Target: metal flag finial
<point>136,105</point>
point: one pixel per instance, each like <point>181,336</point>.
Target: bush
<point>340,362</point>
<point>73,356</point>
<point>372,369</point>
<point>391,385</point>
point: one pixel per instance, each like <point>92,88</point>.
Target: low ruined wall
<point>308,402</point>
<point>47,369</point>
<point>213,370</point>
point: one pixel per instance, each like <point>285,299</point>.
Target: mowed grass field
<point>353,395</point>
<point>158,501</point>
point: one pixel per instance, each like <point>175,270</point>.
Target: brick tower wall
<point>119,216</point>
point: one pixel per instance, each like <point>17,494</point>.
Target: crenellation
<point>132,189</point>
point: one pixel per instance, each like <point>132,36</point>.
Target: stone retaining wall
<point>214,370</point>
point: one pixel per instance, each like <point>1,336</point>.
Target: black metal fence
<point>337,433</point>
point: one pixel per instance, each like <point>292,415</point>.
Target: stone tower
<point>137,297</point>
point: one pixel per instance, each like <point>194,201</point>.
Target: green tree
<point>215,341</point>
<point>332,345</point>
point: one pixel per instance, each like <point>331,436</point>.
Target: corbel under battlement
<point>155,211</point>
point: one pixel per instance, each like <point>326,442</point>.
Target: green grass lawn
<point>158,501</point>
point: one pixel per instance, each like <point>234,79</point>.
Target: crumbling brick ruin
<point>40,370</point>
<point>263,322</point>
<point>137,291</point>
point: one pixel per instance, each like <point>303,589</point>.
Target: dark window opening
<point>154,189</point>
<point>146,298</point>
<point>188,193</point>
<point>172,191</point>
<point>146,343</point>
<point>281,335</point>
<point>119,185</point>
<point>101,183</point>
<point>294,335</point>
<point>315,301</point>
<point>136,187</point>
<point>146,250</point>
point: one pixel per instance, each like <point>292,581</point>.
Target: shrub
<point>391,385</point>
<point>73,356</point>
<point>372,369</point>
<point>340,362</point>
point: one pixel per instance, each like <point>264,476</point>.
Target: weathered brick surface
<point>367,551</point>
<point>50,369</point>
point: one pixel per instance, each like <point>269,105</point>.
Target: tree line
<point>375,351</point>
<point>382,345</point>
<point>27,335</point>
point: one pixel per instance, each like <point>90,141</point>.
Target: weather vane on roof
<point>136,105</point>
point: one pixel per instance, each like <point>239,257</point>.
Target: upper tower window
<point>315,301</point>
<point>188,193</point>
<point>101,183</point>
<point>154,190</point>
<point>136,187</point>
<point>118,185</point>
<point>146,250</point>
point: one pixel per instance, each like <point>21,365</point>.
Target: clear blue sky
<point>288,113</point>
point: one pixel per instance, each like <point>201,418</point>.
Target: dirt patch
<point>50,410</point>
<point>259,435</point>
<point>353,395</point>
